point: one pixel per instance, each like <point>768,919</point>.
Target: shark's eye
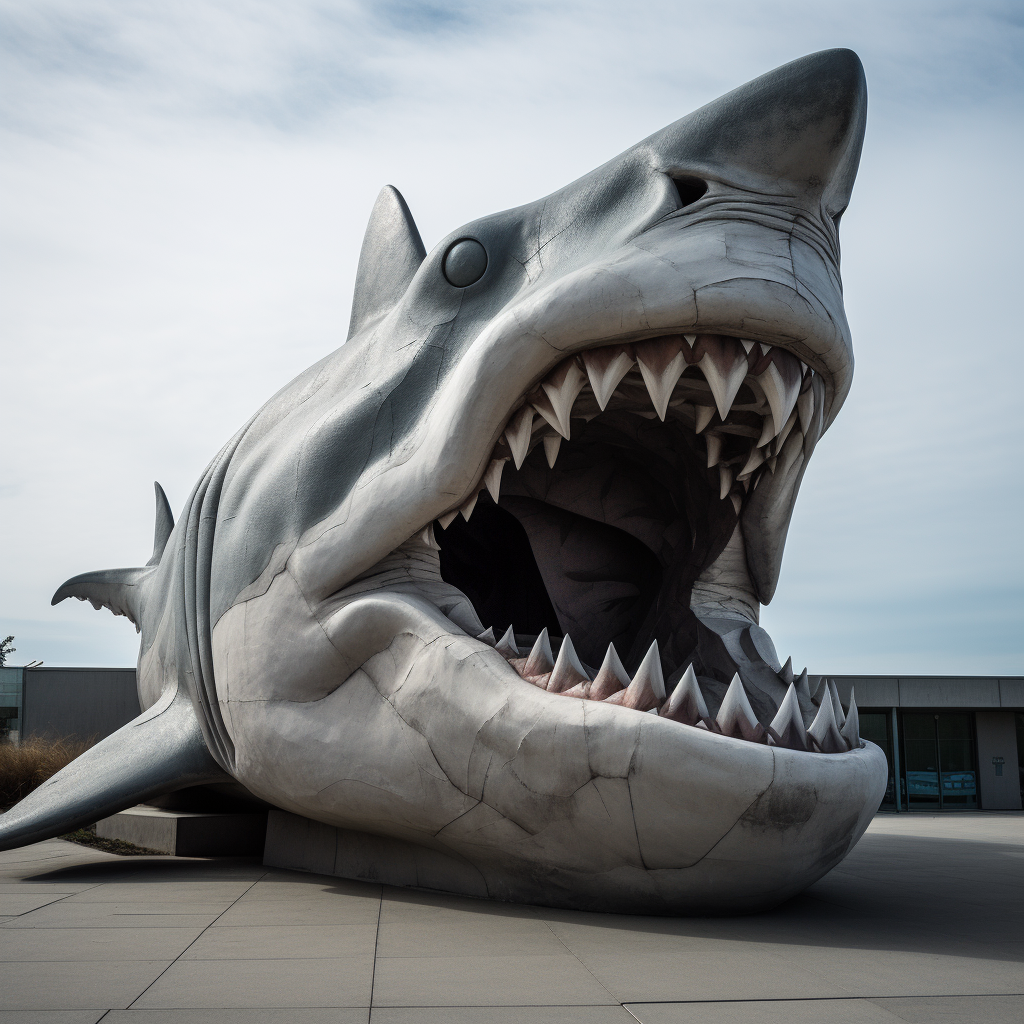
<point>465,262</point>
<point>690,190</point>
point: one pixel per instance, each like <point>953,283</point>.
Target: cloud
<point>192,181</point>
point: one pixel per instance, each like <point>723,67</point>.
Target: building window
<point>876,726</point>
<point>939,761</point>
<point>9,723</point>
<point>1019,719</point>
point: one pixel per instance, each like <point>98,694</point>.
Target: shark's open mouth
<point>615,487</point>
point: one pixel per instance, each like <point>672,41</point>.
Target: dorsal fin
<point>160,752</point>
<point>391,254</point>
<point>163,526</point>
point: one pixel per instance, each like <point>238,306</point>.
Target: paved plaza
<point>923,922</point>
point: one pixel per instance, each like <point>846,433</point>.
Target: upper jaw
<point>735,279</point>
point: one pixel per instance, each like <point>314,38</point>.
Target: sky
<point>184,191</point>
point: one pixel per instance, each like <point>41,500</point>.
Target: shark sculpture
<point>587,419</point>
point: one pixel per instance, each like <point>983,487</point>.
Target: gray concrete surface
<point>923,922</point>
<point>188,833</point>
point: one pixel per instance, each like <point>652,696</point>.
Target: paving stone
<point>782,1011</point>
<point>500,1015</point>
<point>263,983</point>
<point>289,1015</point>
<point>486,981</point>
<point>80,944</point>
<point>76,986</point>
<point>288,942</point>
<point>50,1016</point>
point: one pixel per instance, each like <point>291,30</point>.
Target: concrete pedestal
<point>188,833</point>
<point>305,845</point>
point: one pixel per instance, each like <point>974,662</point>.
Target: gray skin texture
<point>332,672</point>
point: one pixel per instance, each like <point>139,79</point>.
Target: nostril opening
<point>690,190</point>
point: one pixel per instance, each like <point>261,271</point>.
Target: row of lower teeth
<point>617,375</point>
<point>835,729</point>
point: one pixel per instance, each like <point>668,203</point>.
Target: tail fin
<point>120,590</point>
<point>161,751</point>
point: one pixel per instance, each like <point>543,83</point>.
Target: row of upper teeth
<point>781,384</point>
<point>835,729</point>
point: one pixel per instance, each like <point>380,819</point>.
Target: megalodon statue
<point>484,582</point>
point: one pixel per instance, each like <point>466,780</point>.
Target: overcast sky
<point>185,188</point>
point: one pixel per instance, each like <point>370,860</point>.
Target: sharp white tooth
<point>467,508</point>
<point>754,460</point>
<point>551,446</point>
<point>518,432</point>
<point>488,636</point>
<point>662,363</point>
<point>562,386</point>
<point>786,673</point>
<point>837,704</point>
<point>690,339</point>
<point>714,450</point>
<point>765,349</point>
<point>805,409</point>
<point>568,670</point>
<point>606,367</point>
<point>704,414</point>
<point>780,383</point>
<point>446,519</point>
<point>736,717</point>
<point>428,538</point>
<point>851,730</point>
<point>611,676</point>
<point>542,404</point>
<point>540,660</point>
<point>747,346</point>
<point>803,686</point>
<point>785,432</point>
<point>686,703</point>
<point>737,502</point>
<point>788,724</point>
<point>824,731</point>
<point>492,479</point>
<point>507,645</point>
<point>647,689</point>
<point>803,368</point>
<point>768,431</point>
<point>724,480</point>
<point>724,365</point>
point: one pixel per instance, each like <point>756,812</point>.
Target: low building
<point>954,743</point>
<point>79,704</point>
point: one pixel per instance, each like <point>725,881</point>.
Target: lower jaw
<point>493,787</point>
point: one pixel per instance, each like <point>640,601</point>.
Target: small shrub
<point>31,763</point>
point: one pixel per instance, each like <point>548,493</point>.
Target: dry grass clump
<point>30,764</point>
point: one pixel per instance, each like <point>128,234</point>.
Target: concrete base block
<point>188,833</point>
<point>305,845</point>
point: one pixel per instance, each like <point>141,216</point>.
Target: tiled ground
<point>923,922</point>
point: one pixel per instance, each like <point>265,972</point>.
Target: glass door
<point>921,760</point>
<point>938,755</point>
<point>956,761</point>
<point>876,726</point>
